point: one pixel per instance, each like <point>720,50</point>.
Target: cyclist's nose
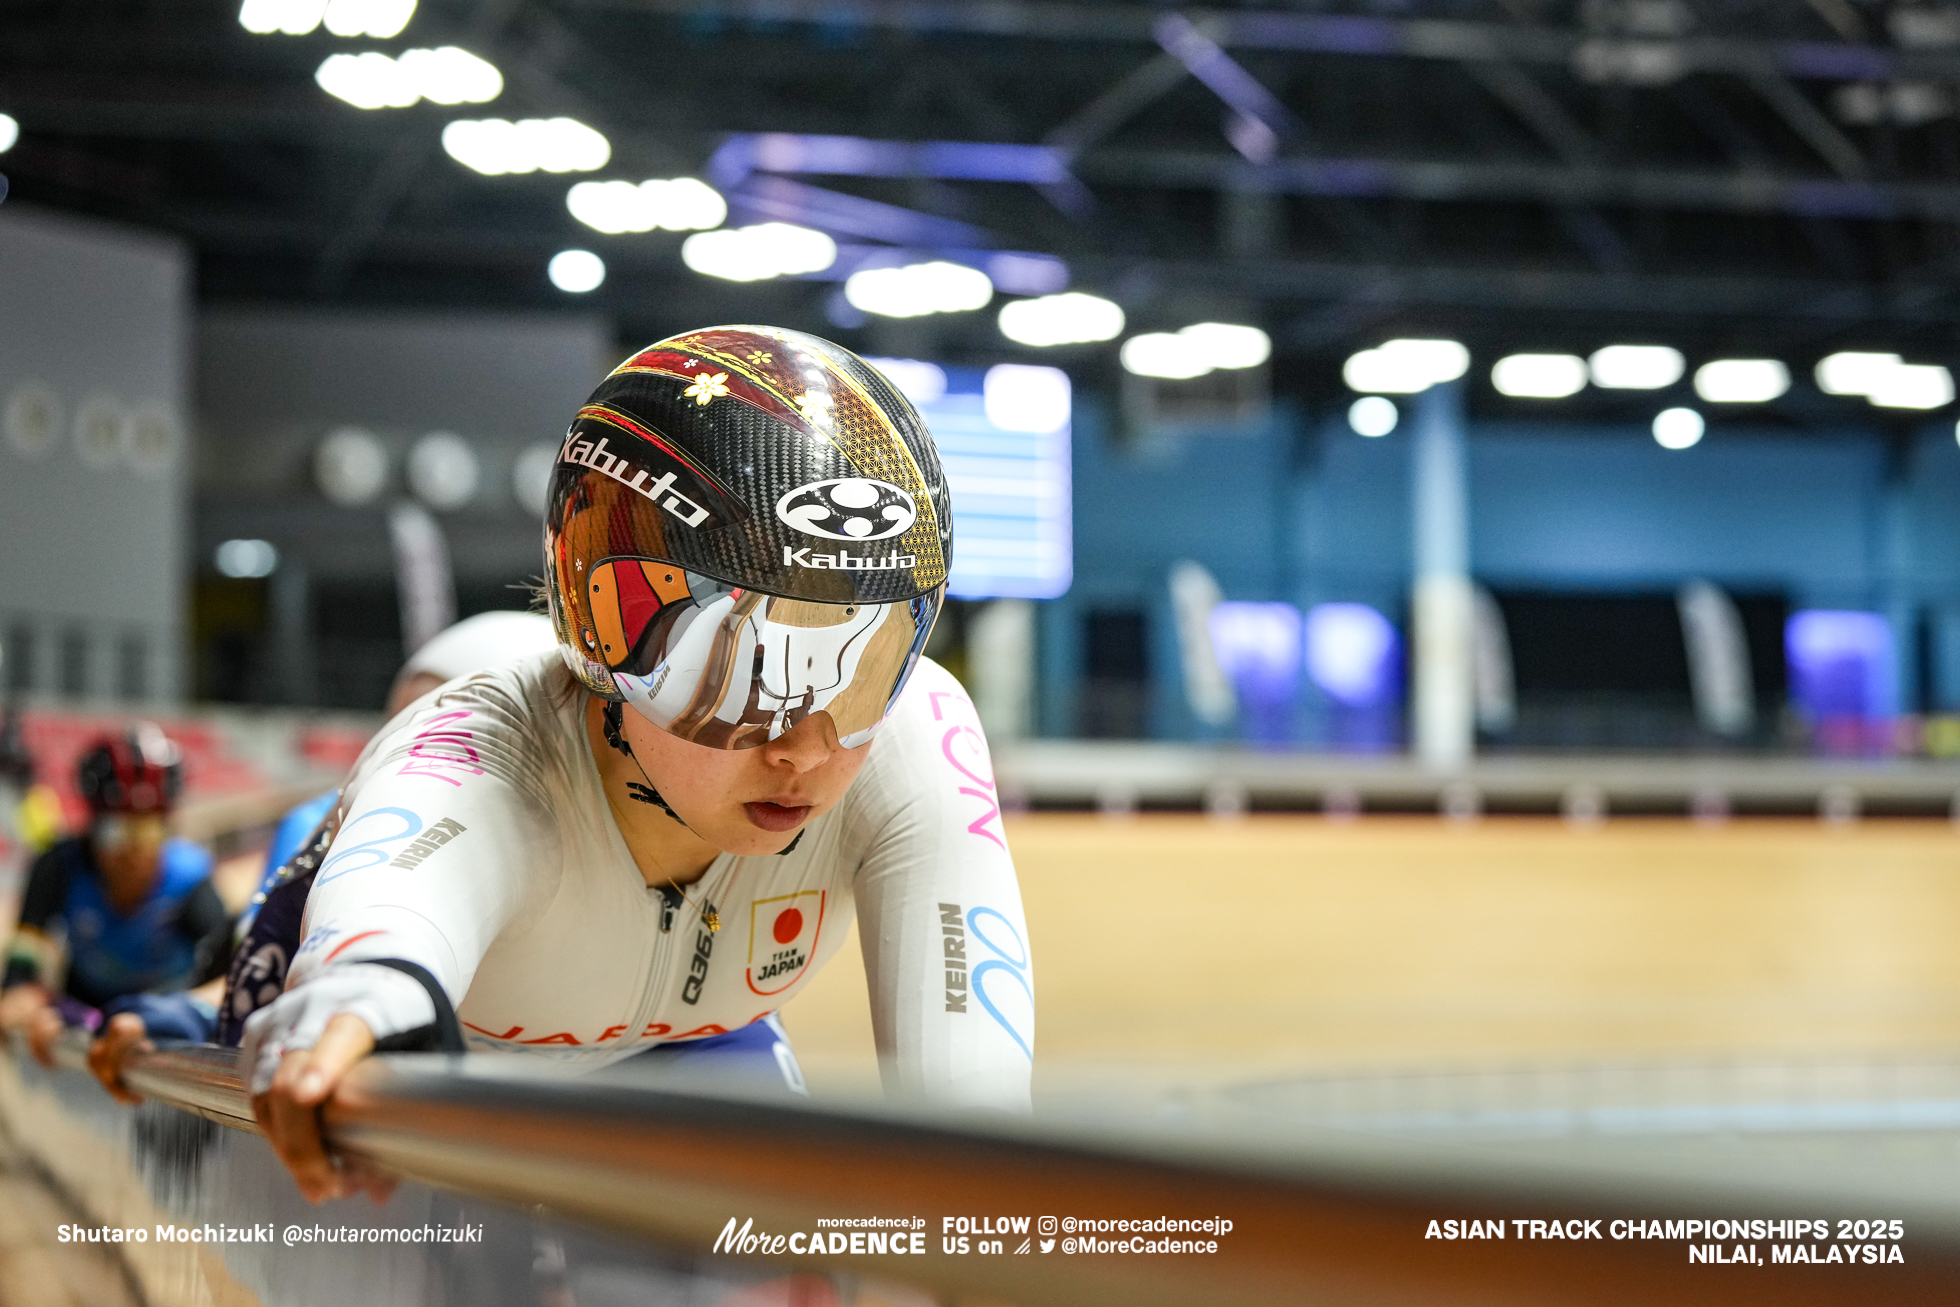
<point>806,746</point>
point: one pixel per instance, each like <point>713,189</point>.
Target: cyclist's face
<point>128,847</point>
<point>749,801</point>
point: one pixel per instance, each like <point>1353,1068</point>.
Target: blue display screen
<point>1003,436</point>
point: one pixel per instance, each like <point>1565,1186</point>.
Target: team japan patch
<point>783,939</point>
<point>849,508</point>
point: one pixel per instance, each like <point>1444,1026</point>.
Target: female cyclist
<point>658,835</point>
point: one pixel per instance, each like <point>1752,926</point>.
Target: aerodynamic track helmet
<point>140,771</point>
<point>745,526</point>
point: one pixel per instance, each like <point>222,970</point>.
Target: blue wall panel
<point>1935,508</point>
<point>1222,500</point>
<point>1590,510</point>
<point>1305,510</point>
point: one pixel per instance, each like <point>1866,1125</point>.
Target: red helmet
<point>141,771</point>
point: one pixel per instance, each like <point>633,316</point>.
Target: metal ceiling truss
<point>1181,153</point>
<point>1632,57</point>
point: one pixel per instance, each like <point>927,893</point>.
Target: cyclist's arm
<point>26,1003</point>
<point>422,875</point>
<point>433,860</point>
<point>945,941</point>
<point>40,905</point>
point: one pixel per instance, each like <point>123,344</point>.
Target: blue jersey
<point>160,944</point>
<point>287,839</point>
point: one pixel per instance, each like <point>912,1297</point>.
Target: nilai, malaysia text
<point>1811,1240</point>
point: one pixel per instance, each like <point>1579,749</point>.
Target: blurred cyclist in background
<point>475,643</point>
<point>30,814</point>
<point>133,906</point>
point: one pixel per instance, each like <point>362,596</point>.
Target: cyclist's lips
<point>777,816</point>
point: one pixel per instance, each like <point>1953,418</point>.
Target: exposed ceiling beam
<point>1807,121</point>
<point>1142,86</point>
<point>1521,93</point>
<point>1544,183</point>
<point>83,102</point>
<point>1506,287</point>
<point>528,65</point>
<point>190,116</point>
<point>179,109</point>
<point>1825,304</point>
<point>1843,18</point>
<point>367,216</point>
<point>1341,34</point>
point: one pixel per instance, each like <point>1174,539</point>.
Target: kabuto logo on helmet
<point>643,454</point>
<point>848,508</point>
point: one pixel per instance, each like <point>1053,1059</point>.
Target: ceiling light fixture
<point>293,17</point>
<point>244,560</point>
<point>917,380</point>
<point>1070,319</point>
<point>351,466</point>
<point>1405,367</point>
<point>380,19</point>
<point>769,249</point>
<point>9,133</point>
<point>576,271</point>
<point>918,289</point>
<point>1885,380</point>
<point>451,75</point>
<point>1678,428</point>
<point>530,476</point>
<point>677,204</point>
<point>1852,372</point>
<point>366,81</point>
<point>1228,344</point>
<point>443,470</point>
<point>446,75</point>
<point>1914,385</point>
<point>1539,376</point>
<point>1636,367</point>
<point>1742,381</point>
<point>495,147</point>
<point>1372,415</point>
<point>1196,350</point>
<point>1164,355</point>
<point>1017,397</point>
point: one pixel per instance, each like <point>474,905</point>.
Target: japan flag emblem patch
<point>783,939</point>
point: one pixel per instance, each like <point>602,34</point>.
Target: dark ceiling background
<point>1519,174</point>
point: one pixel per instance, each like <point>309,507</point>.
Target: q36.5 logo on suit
<point>848,508</point>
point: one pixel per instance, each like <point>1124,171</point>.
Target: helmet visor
<point>734,669</point>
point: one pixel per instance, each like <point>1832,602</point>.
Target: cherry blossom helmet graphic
<point>746,526</point>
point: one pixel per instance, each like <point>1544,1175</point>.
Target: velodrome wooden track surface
<point>1214,949</point>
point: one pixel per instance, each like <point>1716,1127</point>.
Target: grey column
<point>1444,703</point>
<point>1895,571</point>
<point>294,670</point>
